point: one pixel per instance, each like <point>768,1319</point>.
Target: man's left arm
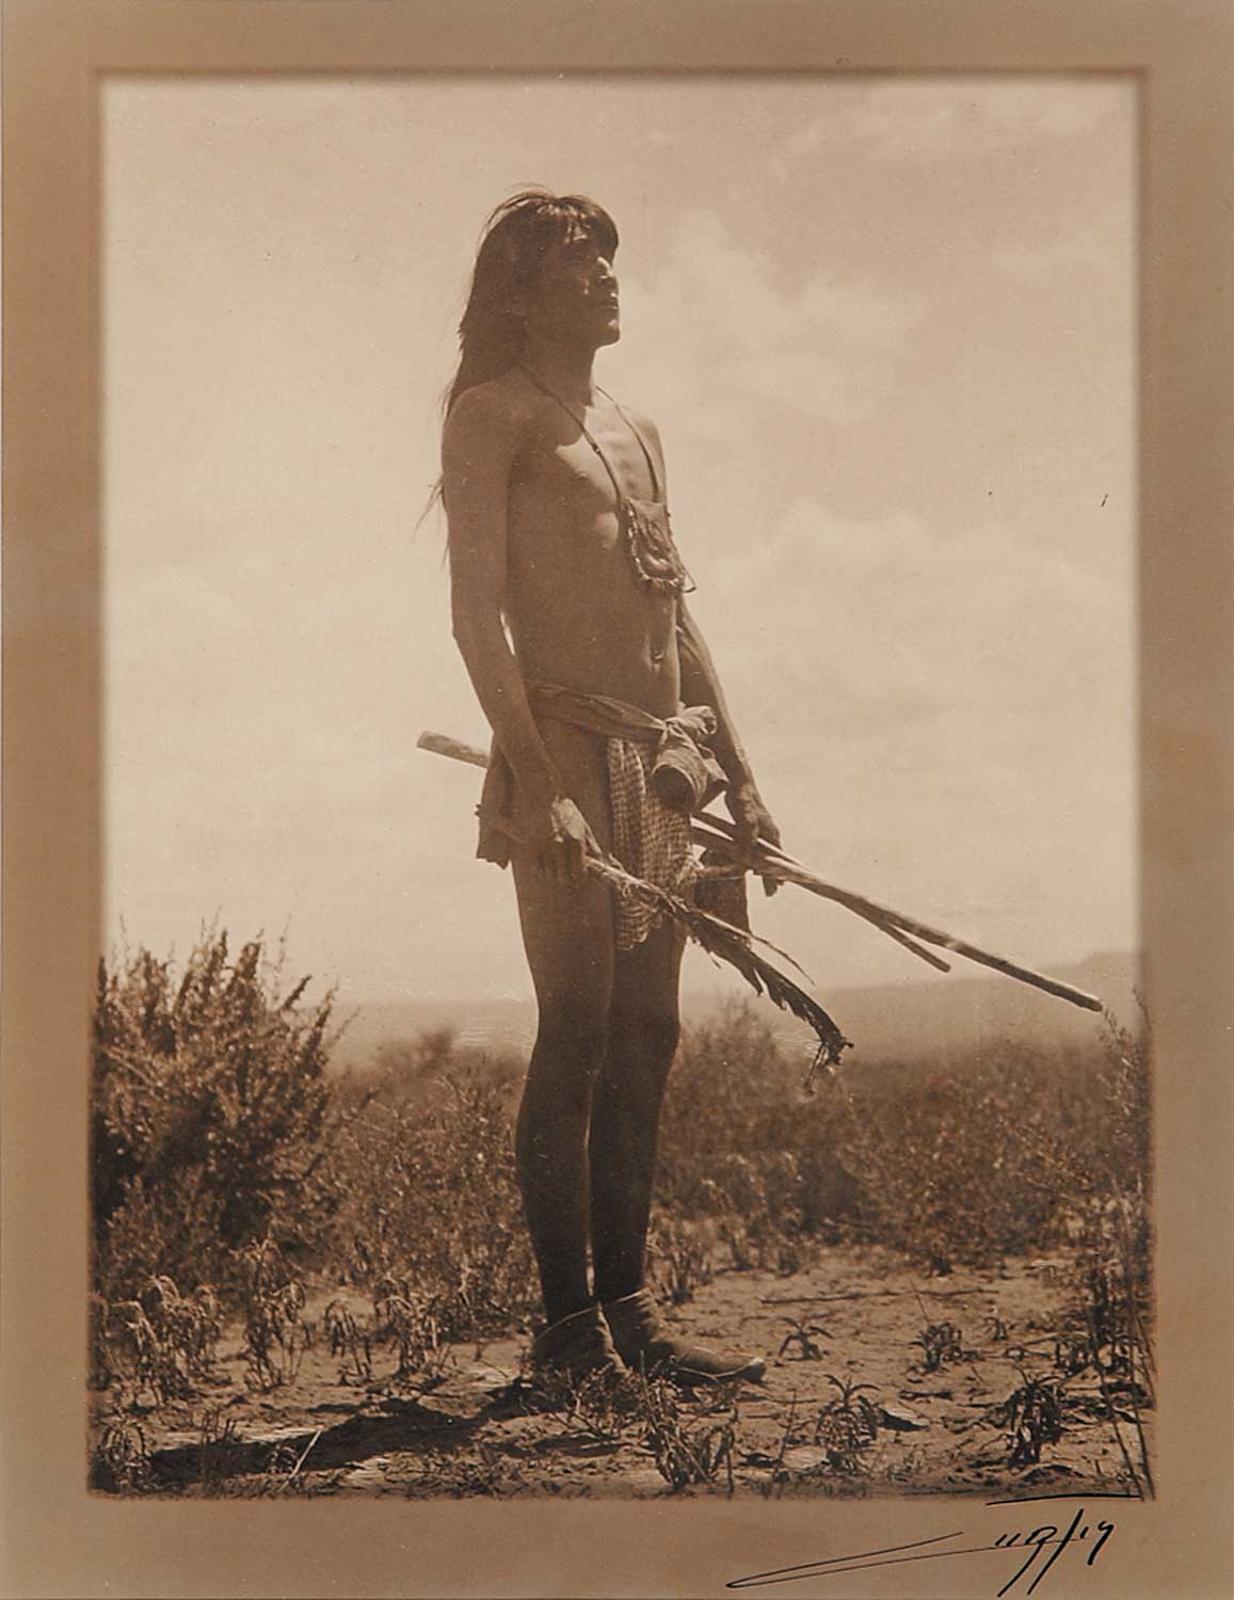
<point>700,685</point>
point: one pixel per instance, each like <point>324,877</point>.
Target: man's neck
<point>565,369</point>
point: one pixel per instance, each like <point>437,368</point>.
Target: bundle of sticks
<point>739,947</point>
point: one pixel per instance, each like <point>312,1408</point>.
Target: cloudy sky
<point>887,329</point>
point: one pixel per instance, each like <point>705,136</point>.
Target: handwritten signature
<point>1032,1546</point>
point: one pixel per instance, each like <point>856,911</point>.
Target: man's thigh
<point>568,927</point>
<point>647,979</point>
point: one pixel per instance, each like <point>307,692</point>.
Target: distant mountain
<point>495,1025</point>
<point>952,1014</point>
<point>960,1013</point>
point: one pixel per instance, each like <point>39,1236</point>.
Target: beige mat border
<point>59,1541</point>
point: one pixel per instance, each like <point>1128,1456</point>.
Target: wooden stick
<point>765,857</point>
<point>782,872</point>
<point>441,744</point>
<point>772,862</point>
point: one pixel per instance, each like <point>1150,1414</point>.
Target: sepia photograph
<point>616,759</point>
<point>602,1174</point>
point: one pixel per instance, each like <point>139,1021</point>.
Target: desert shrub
<point>431,1204</point>
<point>159,1344</point>
<point>276,1335</point>
<point>208,1109</point>
<point>949,1157</point>
<point>973,1157</point>
<point>216,1127</point>
<point>741,1145</point>
<point>954,1157</point>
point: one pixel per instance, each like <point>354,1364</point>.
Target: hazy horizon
<point>886,327</point>
<point>715,983</point>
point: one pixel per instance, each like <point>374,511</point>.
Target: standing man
<point>568,608</point>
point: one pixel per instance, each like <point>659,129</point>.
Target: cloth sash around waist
<point>684,773</point>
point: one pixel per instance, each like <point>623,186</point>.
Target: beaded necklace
<point>644,524</point>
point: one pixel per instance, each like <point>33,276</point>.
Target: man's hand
<point>754,821</point>
<point>560,840</point>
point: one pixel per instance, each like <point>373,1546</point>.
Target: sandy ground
<point>473,1428</point>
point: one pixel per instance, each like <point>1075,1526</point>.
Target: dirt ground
<point>851,1318</point>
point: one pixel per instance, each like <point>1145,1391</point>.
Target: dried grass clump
<point>209,1113</point>
<point>276,1335</point>
<point>157,1346</point>
<point>968,1159</point>
<point>741,1152</point>
<point>431,1217</point>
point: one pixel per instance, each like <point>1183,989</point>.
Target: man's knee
<point>571,1045</point>
<point>648,1037</point>
<point>572,1037</point>
<point>556,1106</point>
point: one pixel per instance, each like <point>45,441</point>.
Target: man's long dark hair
<point>517,236</point>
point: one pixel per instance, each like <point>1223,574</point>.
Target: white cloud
<point>946,718</point>
<point>903,624</point>
<point>928,119</point>
<point>1103,246</point>
<point>716,329</point>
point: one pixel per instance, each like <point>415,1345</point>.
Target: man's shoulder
<point>503,397</point>
<point>490,413</point>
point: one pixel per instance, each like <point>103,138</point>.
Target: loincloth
<point>646,757</point>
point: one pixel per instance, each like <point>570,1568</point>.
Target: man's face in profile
<point>575,294</point>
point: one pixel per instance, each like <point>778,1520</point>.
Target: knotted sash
<point>659,772</point>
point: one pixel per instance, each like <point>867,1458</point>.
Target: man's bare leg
<point>644,1026</point>
<point>625,1120</point>
<point>568,937</point>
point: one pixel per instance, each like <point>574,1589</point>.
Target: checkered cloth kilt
<point>650,839</point>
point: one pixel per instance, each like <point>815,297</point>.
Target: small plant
<point>802,1333</point>
<point>484,1470</point>
<point>275,1333</point>
<point>687,1454</point>
<point>149,1367</point>
<point>160,1342</point>
<point>606,1405</point>
<point>349,1342</point>
<point>120,1462</point>
<point>1072,1355</point>
<point>1033,1416</point>
<point>846,1426</point>
<point>189,1324</point>
<point>940,1342</point>
<point>1110,1299</point>
<point>1109,1293</point>
<point>217,1439</point>
<point>999,1330</point>
<point>680,1259</point>
<point>417,1328</point>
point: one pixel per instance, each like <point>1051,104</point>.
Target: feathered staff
<point>736,946</point>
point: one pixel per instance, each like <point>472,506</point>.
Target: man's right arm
<point>479,446</point>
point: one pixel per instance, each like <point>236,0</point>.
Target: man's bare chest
<point>591,473</point>
<point>596,494</point>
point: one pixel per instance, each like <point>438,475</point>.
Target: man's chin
<point>611,332</point>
